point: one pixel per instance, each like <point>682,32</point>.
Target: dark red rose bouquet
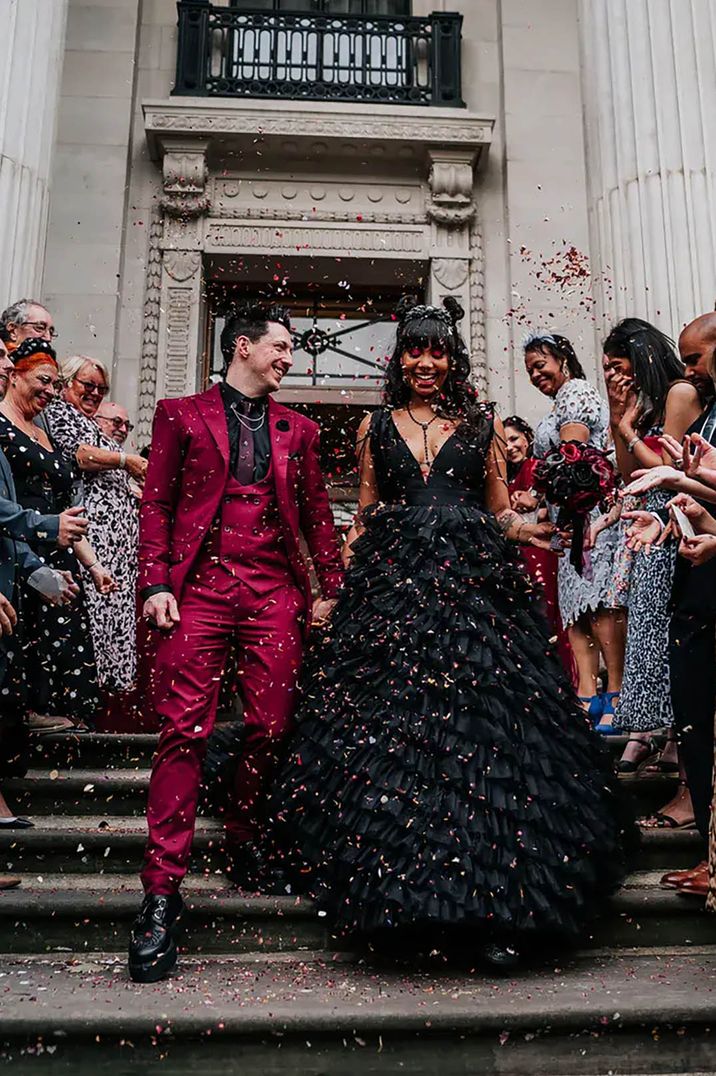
<point>575,477</point>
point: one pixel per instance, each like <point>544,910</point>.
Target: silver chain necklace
<point>247,421</point>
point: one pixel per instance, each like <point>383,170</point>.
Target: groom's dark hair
<point>252,320</point>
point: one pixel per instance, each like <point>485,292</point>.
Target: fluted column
<point>32,40</point>
<point>649,88</point>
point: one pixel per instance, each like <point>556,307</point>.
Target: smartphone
<point>683,522</point>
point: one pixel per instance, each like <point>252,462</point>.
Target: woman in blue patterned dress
<point>648,396</point>
<point>580,414</point>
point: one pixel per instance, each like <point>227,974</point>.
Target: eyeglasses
<point>92,386</point>
<point>117,423</point>
<point>41,328</point>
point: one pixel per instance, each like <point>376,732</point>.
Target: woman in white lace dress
<point>580,414</point>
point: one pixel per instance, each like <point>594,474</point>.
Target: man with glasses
<point>24,319</point>
<point>113,420</point>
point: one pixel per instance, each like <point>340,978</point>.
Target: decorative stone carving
<point>450,272</point>
<point>451,187</point>
<point>182,264</point>
<point>185,173</point>
<point>178,324</point>
<point>478,338</point>
<point>271,237</point>
<point>150,332</point>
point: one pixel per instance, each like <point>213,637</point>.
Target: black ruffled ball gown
<point>442,772</point>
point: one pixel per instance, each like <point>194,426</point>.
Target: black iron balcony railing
<point>226,52</point>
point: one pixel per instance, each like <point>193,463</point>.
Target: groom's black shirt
<point>235,401</point>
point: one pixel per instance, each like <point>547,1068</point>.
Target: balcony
<point>381,59</point>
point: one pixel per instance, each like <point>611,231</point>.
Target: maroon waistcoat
<point>246,536</point>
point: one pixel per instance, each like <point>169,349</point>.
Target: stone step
<point>645,1012</point>
<point>110,843</point>
<point>118,750</point>
<point>94,750</point>
<point>123,791</point>
<point>91,912</point>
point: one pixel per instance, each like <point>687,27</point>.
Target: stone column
<point>32,41</point>
<point>456,247</point>
<point>649,88</point>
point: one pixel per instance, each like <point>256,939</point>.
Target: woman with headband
<point>62,680</point>
<point>443,788</point>
<point>594,628</point>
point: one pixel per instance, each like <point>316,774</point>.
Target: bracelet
<point>122,460</point>
<point>89,567</point>
<point>634,441</point>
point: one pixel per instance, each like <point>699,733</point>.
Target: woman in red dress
<point>541,564</point>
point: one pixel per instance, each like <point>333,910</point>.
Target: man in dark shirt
<point>233,478</point>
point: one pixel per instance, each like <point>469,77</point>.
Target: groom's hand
<point>161,610</point>
<point>321,612</point>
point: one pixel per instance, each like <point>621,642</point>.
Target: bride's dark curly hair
<point>427,327</point>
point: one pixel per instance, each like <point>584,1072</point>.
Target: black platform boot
<point>153,940</point>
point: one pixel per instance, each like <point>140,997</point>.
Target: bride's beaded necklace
<point>428,458</point>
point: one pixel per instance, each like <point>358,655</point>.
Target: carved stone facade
<point>422,211</point>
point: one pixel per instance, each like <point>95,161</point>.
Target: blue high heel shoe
<point>608,711</point>
<point>596,707</point>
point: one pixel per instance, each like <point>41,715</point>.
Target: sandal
<point>660,766</point>
<point>629,767</point>
<point>660,820</point>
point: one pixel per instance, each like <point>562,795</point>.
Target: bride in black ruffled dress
<point>442,774</point>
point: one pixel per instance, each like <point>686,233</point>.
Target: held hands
<point>161,610</point>
<point>73,526</point>
<point>321,612</point>
<point>541,536</point>
<point>103,581</point>
<point>8,616</point>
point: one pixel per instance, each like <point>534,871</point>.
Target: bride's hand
<point>661,477</point>
<point>321,612</point>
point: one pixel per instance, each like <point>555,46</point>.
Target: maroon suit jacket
<point>186,478</point>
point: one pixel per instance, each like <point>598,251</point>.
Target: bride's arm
<point>368,487</point>
<point>498,498</point>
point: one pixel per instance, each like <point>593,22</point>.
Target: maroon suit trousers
<point>217,609</point>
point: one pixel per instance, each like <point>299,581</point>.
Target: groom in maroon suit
<point>233,478</point>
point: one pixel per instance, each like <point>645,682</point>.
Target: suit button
<point>256,500</point>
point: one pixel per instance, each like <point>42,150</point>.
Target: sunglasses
<point>92,386</point>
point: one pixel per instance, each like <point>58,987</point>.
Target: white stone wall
<point>32,35</point>
<point>90,218</point>
<point>521,68</point>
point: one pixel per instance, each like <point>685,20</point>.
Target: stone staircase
<point>264,986</point>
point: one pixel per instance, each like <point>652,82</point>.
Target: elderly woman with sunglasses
<point>110,478</point>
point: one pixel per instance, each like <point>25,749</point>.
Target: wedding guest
<point>17,525</point>
<point>579,414</point>
<point>63,680</point>
<point>541,564</point>
<point>25,319</point>
<point>692,632</point>
<point>110,497</point>
<point>648,396</point>
<point>113,420</point>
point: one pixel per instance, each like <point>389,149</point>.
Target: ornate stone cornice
<point>343,239</point>
<point>223,123</point>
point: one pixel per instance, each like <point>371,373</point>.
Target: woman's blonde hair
<point>69,368</point>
